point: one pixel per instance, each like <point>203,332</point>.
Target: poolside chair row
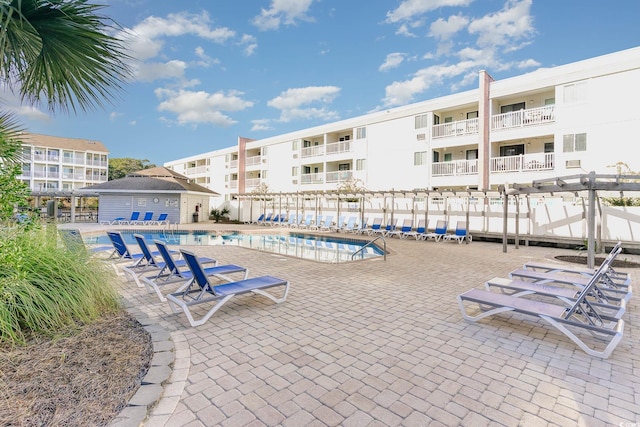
<point>577,302</point>
<point>420,232</point>
<point>194,276</point>
<point>135,219</point>
<point>309,222</point>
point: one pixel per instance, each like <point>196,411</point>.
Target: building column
<point>484,126</point>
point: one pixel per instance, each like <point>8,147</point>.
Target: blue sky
<point>207,71</point>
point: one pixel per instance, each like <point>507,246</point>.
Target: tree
<point>121,167</point>
<point>56,52</point>
<point>622,169</point>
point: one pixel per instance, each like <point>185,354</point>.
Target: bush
<point>218,214</point>
<point>46,288</point>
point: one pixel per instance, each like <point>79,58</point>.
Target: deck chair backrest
<point>461,228</point>
<point>135,215</point>
<point>148,216</point>
<point>392,224</point>
<point>162,217</point>
<point>198,272</point>
<point>407,225</point>
<point>144,248</point>
<point>441,227</point>
<point>421,227</point>
<point>119,244</point>
<point>167,258</point>
<point>377,223</point>
<point>581,299</point>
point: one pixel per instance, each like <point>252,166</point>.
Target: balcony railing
<point>523,162</point>
<point>339,176</point>
<point>253,160</point>
<point>233,164</point>
<point>312,178</point>
<point>339,147</point>
<point>521,118</point>
<point>314,150</point>
<point>252,182</point>
<point>456,167</point>
<point>196,170</point>
<point>461,127</point>
<point>233,184</point>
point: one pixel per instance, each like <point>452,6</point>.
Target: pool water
<point>311,247</point>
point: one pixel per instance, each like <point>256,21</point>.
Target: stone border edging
<point>164,382</point>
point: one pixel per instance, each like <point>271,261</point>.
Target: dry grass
<point>80,380</point>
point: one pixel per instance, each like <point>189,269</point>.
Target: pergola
<point>589,183</point>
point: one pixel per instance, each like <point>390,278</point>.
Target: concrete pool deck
<point>383,343</point>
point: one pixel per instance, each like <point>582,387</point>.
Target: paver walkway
<point>383,343</point>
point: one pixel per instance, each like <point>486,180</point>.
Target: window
<point>472,115</point>
<point>550,101</point>
<point>448,157</point>
<point>448,119</point>
<point>263,174</point>
<point>344,166</point>
<point>574,142</point>
<point>306,143</point>
<point>576,92</point>
<point>306,169</point>
<point>294,144</point>
<point>436,119</point>
<point>436,157</point>
<point>361,164</point>
<point>512,107</point>
<point>361,133</point>
<point>294,171</point>
<point>420,158</point>
<point>422,121</point>
<point>472,154</point>
<point>511,150</point>
<point>548,147</point>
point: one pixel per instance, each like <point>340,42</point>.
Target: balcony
<point>454,168</point>
<point>233,164</point>
<point>339,176</point>
<point>314,150</point>
<point>253,160</point>
<point>312,178</point>
<point>338,147</point>
<point>233,184</point>
<point>196,170</point>
<point>252,182</point>
<point>523,162</point>
<point>522,118</point>
<point>459,128</point>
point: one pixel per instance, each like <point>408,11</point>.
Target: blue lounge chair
<point>338,225</point>
<point>317,224</point>
<point>292,220</point>
<point>146,219</point>
<point>306,223</point>
<point>439,232</point>
<point>460,235</point>
<point>149,261</point>
<point>265,220</point>
<point>326,224</point>
<point>173,273</point>
<point>407,226</point>
<point>417,233</point>
<point>162,219</point>
<point>375,227</point>
<point>199,290</point>
<point>349,227</point>
<point>135,215</point>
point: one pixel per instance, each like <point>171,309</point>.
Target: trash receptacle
<point>195,217</point>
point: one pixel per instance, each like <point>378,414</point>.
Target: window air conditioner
<point>572,164</point>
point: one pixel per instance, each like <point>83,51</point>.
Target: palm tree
<point>58,53</point>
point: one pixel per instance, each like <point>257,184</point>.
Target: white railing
<point>252,182</point>
<point>339,176</point>
<point>520,118</point>
<point>78,160</point>
<point>312,178</point>
<point>253,160</point>
<point>196,170</point>
<point>339,147</point>
<point>314,150</point>
<point>233,164</point>
<point>523,162</point>
<point>456,167</point>
<point>461,127</point>
<point>233,184</point>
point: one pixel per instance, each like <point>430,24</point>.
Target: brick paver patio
<point>375,343</point>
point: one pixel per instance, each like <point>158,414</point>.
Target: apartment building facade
<point>566,120</point>
<point>53,164</point>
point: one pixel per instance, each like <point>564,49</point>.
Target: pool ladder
<point>370,243</point>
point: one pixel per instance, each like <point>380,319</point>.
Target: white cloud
<point>291,101</point>
<point>261,124</point>
<point>205,60</point>
<point>445,29</point>
<point>403,30</point>
<point>113,116</point>
<point>393,60</point>
<point>146,40</point>
<point>191,107</point>
<point>249,44</point>
<point>502,28</point>
<point>285,12</point>
<point>409,9</point>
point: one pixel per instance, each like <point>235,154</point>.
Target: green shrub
<point>47,288</point>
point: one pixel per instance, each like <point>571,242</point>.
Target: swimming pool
<point>312,247</point>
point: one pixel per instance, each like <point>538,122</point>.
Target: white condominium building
<point>54,164</point>
<point>566,120</point>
